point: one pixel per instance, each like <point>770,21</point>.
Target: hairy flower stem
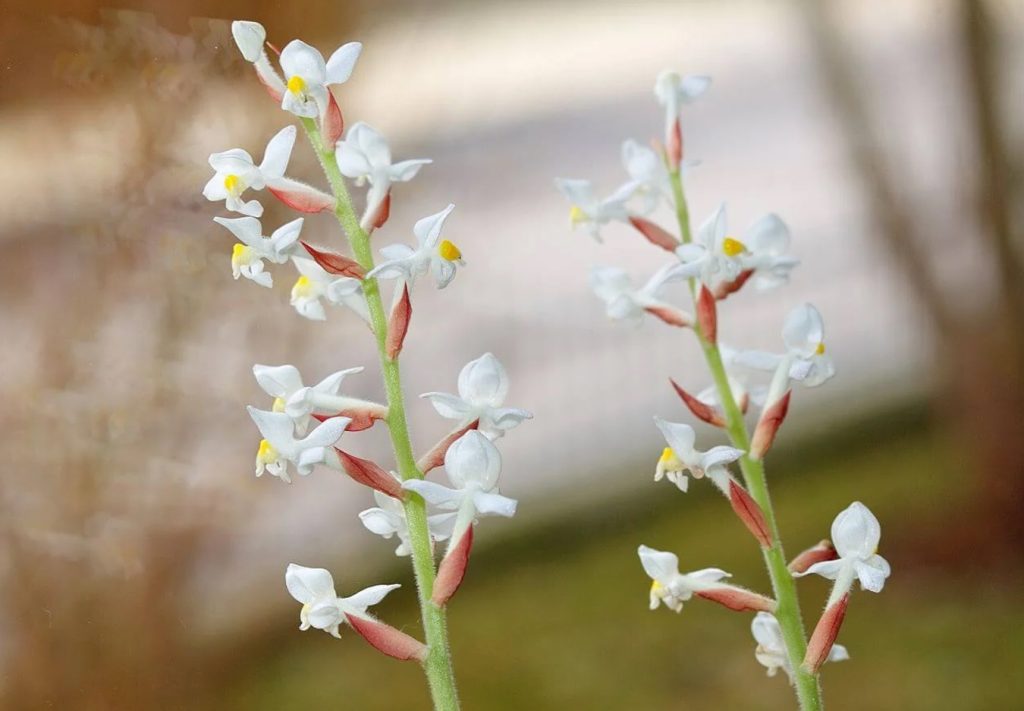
<point>808,690</point>
<point>438,664</point>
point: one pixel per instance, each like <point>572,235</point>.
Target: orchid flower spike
<point>433,254</point>
<point>307,76</point>
<point>315,283</point>
<point>648,174</point>
<point>805,359</point>
<point>483,386</point>
<point>279,445</point>
<point>235,172</point>
<point>680,458</point>
<point>590,211</point>
<point>365,156</point>
<point>473,465</point>
<point>387,519</point>
<point>771,648</point>
<point>250,38</point>
<point>252,247</point>
<point>322,609</point>
<point>855,535</point>
<point>672,91</point>
<point>299,402</point>
<point>671,588</point>
<point>625,303</point>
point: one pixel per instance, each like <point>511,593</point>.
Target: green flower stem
<point>438,664</point>
<point>808,689</point>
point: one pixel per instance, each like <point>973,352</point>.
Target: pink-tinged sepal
<point>672,317</point>
<point>452,569</point>
<point>825,634</point>
<point>749,513</point>
<point>726,288</point>
<point>700,410</point>
<point>707,315</point>
<point>744,402</point>
<point>334,263</point>
<point>332,124</point>
<point>820,553</point>
<point>674,145</point>
<point>398,324</point>
<point>363,415</point>
<point>369,474</point>
<point>737,599</point>
<point>301,197</point>
<point>435,457</point>
<point>768,426</point>
<point>656,235</point>
<point>385,638</point>
<point>270,81</point>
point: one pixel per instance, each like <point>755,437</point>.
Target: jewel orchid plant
<point>302,425</point>
<point>715,265</point>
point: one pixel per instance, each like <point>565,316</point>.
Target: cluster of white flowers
<point>303,425</point>
<point>716,263</point>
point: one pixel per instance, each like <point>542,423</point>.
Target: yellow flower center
<point>669,460</point>
<point>820,350</point>
<point>278,405</point>
<point>303,288</point>
<point>576,215</point>
<point>266,453</point>
<point>656,588</point>
<point>241,255</point>
<point>233,184</point>
<point>732,247</point>
<point>449,251</point>
<point>296,84</point>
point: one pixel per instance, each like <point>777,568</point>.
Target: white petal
<point>428,229</point>
<point>579,192</point>
<point>332,383</point>
<point>766,631</point>
<point>679,437</point>
<point>495,504</point>
<point>449,406</point>
<point>708,575</point>
<point>692,86</point>
<point>826,569</point>
<point>872,573</point>
<point>327,432</point>
<point>838,653</point>
<point>276,427</point>
<point>308,584</point>
<point>856,532</point>
<point>803,330</point>
<point>368,597</point>
<point>278,153</point>
<point>249,36</point>
<point>342,62</point>
<point>407,169</point>
<point>325,615</point>
<point>484,380</point>
<point>759,360</point>
<point>659,565</point>
<point>278,380</point>
<point>720,455</point>
<point>248,230</point>
<point>300,59</point>
<point>378,521</point>
<point>769,235</point>
<point>473,458</point>
<point>435,493</point>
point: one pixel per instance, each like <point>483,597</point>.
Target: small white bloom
<point>473,465</point>
<point>713,255</point>
<point>315,283</point>
<point>250,38</point>
<point>364,155</point>
<point>672,91</point>
<point>299,402</point>
<point>235,172</point>
<point>279,445</point>
<point>669,587</point>
<point>771,648</point>
<point>647,172</point>
<point>322,609</point>
<point>591,212</point>
<point>681,457</point>
<point>252,247</point>
<point>623,302</point>
<point>855,535</point>
<point>433,254</point>
<point>767,242</point>
<point>307,76</point>
<point>483,386</point>
<point>387,519</point>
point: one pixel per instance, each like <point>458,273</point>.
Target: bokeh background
<point>141,563</point>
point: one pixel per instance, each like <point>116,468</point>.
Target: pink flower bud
<point>817,554</point>
<point>738,599</point>
<point>707,315</point>
<point>672,317</point>
<point>435,457</point>
<point>398,324</point>
<point>656,235</point>
<point>767,427</point>
<point>452,569</point>
<point>825,634</point>
<point>334,263</point>
<point>332,124</point>
<point>385,638</point>
<point>369,474</point>
<point>749,513</point>
<point>674,143</point>
<point>700,410</point>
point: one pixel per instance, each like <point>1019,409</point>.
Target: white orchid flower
<point>299,402</point>
<point>672,91</point>
<point>680,458</point>
<point>315,283</point>
<point>767,244</point>
<point>771,647</point>
<point>307,76</point>
<point>805,359</point>
<point>473,465</point>
<point>623,302</point>
<point>322,609</point>
<point>590,211</point>
<point>250,38</point>
<point>387,519</point>
<point>483,386</point>
<point>279,446</point>
<point>714,255</point>
<point>433,254</point>
<point>235,172</point>
<point>855,535</point>
<point>669,587</point>
<point>365,156</point>
<point>252,247</point>
<point>648,174</point>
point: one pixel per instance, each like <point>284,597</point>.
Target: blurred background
<point>142,564</point>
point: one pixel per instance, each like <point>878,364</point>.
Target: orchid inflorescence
<point>303,424</point>
<point>715,265</point>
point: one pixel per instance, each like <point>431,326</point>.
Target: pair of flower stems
<point>438,663</point>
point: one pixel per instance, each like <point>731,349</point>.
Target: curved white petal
<point>473,458</point>
<point>300,59</point>
<point>428,229</point>
<point>278,153</point>
<point>249,36</point>
<point>342,62</point>
<point>484,380</point>
<point>435,493</point>
<point>680,438</point>
<point>308,584</point>
<point>368,597</point>
<point>449,406</point>
<point>494,504</point>
<point>278,380</point>
<point>659,565</point>
<point>856,532</point>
